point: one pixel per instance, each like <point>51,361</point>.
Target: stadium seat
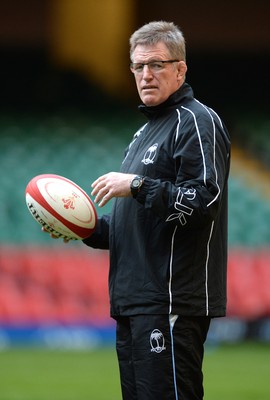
<point>245,296</point>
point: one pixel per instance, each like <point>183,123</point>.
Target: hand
<point>53,236</point>
<point>113,184</point>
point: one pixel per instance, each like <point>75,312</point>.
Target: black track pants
<point>160,357</point>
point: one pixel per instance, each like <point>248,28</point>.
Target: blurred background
<point>68,106</point>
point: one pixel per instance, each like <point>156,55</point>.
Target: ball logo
<point>157,341</point>
<point>69,202</point>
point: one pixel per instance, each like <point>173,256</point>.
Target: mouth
<point>148,88</point>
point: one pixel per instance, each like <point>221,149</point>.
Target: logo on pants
<point>157,341</point>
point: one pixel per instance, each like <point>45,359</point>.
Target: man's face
<point>155,86</point>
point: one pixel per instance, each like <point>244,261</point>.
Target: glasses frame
<point>134,71</point>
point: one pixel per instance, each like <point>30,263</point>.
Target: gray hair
<point>160,31</point>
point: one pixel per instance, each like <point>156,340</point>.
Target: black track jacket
<point>168,246</point>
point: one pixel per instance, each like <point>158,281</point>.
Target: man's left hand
<point>113,184</point>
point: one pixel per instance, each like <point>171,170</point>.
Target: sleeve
<point>201,161</point>
<point>100,238</point>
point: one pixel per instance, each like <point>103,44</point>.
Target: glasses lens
<point>156,66</point>
<point>136,67</point>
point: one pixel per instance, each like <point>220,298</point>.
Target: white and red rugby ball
<point>61,206</point>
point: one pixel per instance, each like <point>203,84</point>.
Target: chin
<point>150,102</point>
<point>153,104</point>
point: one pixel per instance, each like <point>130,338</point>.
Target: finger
<point>101,193</point>
<point>100,197</point>
<point>104,200</point>
<point>46,231</point>
<point>101,185</point>
<point>51,234</point>
<point>94,191</point>
<point>97,181</point>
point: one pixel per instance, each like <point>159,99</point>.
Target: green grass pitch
<point>231,372</point>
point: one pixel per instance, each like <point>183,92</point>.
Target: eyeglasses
<point>154,66</point>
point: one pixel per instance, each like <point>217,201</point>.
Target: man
<point>167,232</point>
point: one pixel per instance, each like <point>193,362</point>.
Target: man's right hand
<point>53,236</point>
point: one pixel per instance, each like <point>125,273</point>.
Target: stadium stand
<point>253,136</point>
<point>81,148</point>
<point>45,285</point>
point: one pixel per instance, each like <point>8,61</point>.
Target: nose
<point>147,73</point>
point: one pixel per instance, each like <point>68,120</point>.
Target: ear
<point>182,70</point>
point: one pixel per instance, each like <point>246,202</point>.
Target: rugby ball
<point>61,206</point>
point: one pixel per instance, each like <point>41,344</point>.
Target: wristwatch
<point>136,185</point>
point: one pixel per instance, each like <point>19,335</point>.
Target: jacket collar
<point>184,93</point>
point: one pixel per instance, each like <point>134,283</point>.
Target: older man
<point>167,233</point>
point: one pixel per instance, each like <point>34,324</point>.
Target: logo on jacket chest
<point>150,154</point>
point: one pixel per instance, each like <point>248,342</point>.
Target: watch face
<point>136,183</point>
